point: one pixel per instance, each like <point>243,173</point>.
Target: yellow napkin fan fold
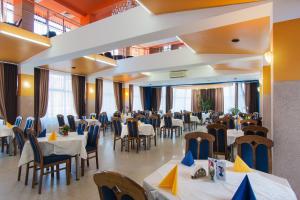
<point>8,125</point>
<point>170,180</point>
<point>52,136</point>
<point>240,165</point>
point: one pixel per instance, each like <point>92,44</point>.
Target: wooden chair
<point>255,130</point>
<point>155,122</point>
<point>117,126</point>
<point>200,144</point>
<point>187,120</point>
<point>256,151</point>
<point>168,126</point>
<point>82,126</point>
<point>248,122</point>
<point>91,146</point>
<point>133,134</point>
<point>219,131</point>
<point>20,139</point>
<point>28,125</point>
<point>223,121</point>
<point>42,162</point>
<point>103,119</point>
<point>61,120</point>
<point>71,121</point>
<point>141,118</point>
<point>114,186</point>
<point>177,115</point>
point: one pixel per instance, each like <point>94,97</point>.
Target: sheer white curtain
<point>109,101</point>
<point>60,100</point>
<point>182,99</point>
<point>229,98</point>
<point>137,105</point>
<point>241,97</point>
<point>163,100</point>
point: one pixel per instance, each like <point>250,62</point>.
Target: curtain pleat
<point>118,95</point>
<point>219,100</point>
<point>158,98</point>
<point>169,98</point>
<point>196,97</point>
<point>142,97</point>
<point>99,96</point>
<point>41,88</point>
<point>2,92</point>
<point>78,89</point>
<point>130,97</point>
<point>10,91</point>
<point>251,97</point>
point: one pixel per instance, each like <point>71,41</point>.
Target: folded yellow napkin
<point>52,136</point>
<point>93,117</point>
<point>240,165</point>
<point>170,180</point>
<point>8,125</point>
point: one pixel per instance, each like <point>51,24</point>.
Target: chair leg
<point>41,179</point>
<point>2,147</point>
<point>82,167</point>
<point>155,139</point>
<point>122,143</point>
<point>26,175</point>
<point>33,175</point>
<point>114,144</point>
<point>97,161</point>
<point>68,172</point>
<point>52,171</point>
<point>87,161</point>
<point>57,171</point>
<point>19,173</point>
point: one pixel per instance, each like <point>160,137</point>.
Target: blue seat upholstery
<point>262,163</point>
<point>193,147</point>
<point>42,133</point>
<point>107,193</point>
<point>247,154</point>
<point>18,121</point>
<point>55,158</point>
<point>61,120</point>
<point>80,129</point>
<point>28,124</point>
<point>93,136</point>
<point>132,128</point>
<point>71,122</point>
<point>204,150</point>
<point>117,127</point>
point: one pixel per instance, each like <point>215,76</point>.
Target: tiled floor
<point>131,164</point>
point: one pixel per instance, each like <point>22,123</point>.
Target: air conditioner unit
<point>178,74</point>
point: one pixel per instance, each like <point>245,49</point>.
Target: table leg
<point>77,167</point>
<point>11,146</point>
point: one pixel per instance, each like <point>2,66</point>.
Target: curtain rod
<point>9,63</point>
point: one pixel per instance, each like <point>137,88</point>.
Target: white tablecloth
<point>89,121</point>
<point>72,144</point>
<point>265,186</point>
<point>205,115</point>
<point>6,132</point>
<point>144,129</point>
<point>175,122</point>
<point>195,119</point>
<point>232,134</point>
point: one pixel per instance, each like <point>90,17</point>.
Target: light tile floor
<point>134,165</point>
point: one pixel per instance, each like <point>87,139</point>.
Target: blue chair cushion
<point>126,197</point>
<point>42,134</point>
<point>107,193</point>
<point>55,158</point>
<point>262,163</point>
<point>90,148</point>
<point>193,148</point>
<point>247,154</point>
<point>204,150</point>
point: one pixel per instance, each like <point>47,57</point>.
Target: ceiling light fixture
<point>98,60</point>
<point>235,40</point>
<point>24,38</point>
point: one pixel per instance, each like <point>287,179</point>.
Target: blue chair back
<point>256,151</point>
<point>93,136</point>
<point>117,126</point>
<point>219,131</point>
<point>42,133</point>
<point>38,156</point>
<point>18,121</point>
<point>177,115</point>
<point>187,118</point>
<point>114,186</point>
<point>200,145</point>
<point>19,135</point>
<point>168,121</point>
<point>29,124</point>
<point>80,128</point>
<point>103,119</point>
<point>132,126</point>
<point>61,120</point>
<point>71,121</point>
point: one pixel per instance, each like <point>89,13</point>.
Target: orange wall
<point>266,80</point>
<point>91,91</point>
<point>26,85</point>
<point>286,47</point>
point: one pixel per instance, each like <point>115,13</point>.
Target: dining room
<point>175,100</point>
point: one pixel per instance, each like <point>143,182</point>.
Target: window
<point>109,102</point>
<point>9,8</point>
<point>241,97</point>
<point>182,99</point>
<point>40,26</point>
<point>60,99</point>
<point>163,100</point>
<point>229,98</point>
<point>137,105</point>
